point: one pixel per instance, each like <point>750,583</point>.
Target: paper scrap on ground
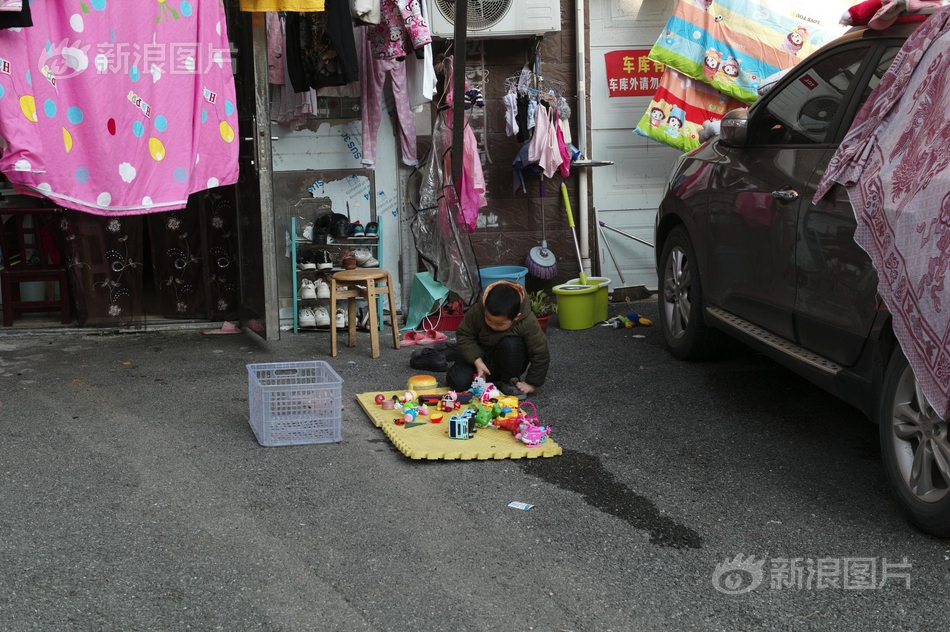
<point>514,504</point>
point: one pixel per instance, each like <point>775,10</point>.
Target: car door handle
<point>785,195</point>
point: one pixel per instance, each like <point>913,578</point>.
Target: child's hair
<point>503,300</point>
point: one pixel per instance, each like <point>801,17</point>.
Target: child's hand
<point>481,368</point>
<point>525,388</point>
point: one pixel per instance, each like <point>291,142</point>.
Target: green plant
<point>542,304</point>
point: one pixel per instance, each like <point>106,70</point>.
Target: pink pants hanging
<point>372,78</point>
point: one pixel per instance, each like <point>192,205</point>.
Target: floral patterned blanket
<point>893,163</point>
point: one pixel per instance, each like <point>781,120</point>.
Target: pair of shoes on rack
<point>306,262</point>
<point>324,260</point>
<point>306,318</point>
<point>356,229</point>
<point>372,229</point>
<point>341,321</point>
<point>314,289</point>
<point>309,318</point>
<point>365,259</point>
<point>307,290</point>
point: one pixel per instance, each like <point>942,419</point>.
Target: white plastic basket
<point>294,403</point>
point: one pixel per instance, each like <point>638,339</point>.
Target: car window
<point>801,111</point>
<point>886,60</point>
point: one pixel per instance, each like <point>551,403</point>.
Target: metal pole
<point>645,243</point>
<point>458,88</point>
<point>611,253</point>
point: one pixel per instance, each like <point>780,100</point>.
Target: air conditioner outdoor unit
<point>497,18</point>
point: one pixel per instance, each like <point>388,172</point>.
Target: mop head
<point>541,263</point>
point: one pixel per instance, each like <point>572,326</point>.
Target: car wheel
<point>680,298</point>
<point>915,449</point>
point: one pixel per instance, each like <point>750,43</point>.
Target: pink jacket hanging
<point>119,111</point>
<point>401,29</point>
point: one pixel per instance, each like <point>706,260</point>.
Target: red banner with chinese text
<point>631,74</point>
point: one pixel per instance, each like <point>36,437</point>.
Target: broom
<point>540,261</point>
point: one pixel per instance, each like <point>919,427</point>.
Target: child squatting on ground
<point>499,339</point>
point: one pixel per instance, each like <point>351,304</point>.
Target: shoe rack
<point>301,246</point>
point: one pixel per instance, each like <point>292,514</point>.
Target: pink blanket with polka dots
<point>118,109</point>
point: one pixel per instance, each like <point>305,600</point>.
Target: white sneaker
<point>322,288</point>
<point>306,289</point>
<point>308,232</point>
<point>365,259</point>
<point>305,317</point>
<point>321,317</point>
<point>341,317</point>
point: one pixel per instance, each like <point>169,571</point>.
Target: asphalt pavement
<point>135,497</point>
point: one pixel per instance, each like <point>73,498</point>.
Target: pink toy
<point>530,431</point>
<point>532,436</point>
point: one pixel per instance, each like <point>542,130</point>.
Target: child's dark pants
<point>505,361</point>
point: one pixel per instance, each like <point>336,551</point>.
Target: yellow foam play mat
<point>430,441</point>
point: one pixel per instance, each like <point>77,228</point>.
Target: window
<point>800,113</point>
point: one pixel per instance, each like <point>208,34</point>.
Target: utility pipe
<point>582,133</point>
<point>458,89</point>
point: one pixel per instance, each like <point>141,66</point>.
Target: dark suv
<point>744,250</point>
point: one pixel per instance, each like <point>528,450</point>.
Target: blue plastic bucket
<point>516,274</point>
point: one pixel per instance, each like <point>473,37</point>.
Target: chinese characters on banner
<point>631,74</point>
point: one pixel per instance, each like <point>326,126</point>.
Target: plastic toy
<point>449,402</point>
<point>435,418</point>
<point>462,426</point>
<point>483,390</point>
<point>483,417</point>
<point>627,322</point>
<point>417,382</point>
<point>388,404</point>
<point>380,399</point>
<point>532,436</point>
<point>511,424</point>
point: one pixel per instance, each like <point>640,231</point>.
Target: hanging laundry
<point>420,73</point>
<point>352,89</point>
<point>329,51</point>
<point>98,130</point>
<point>521,116</point>
<point>372,78</point>
<point>733,47</point>
<point>21,17</point>
<point>471,186</point>
<point>275,49</point>
<point>510,101</point>
<point>293,25</point>
<point>679,108</point>
<point>365,11</point>
<point>289,107</point>
<point>260,6</point>
<point>401,30</point>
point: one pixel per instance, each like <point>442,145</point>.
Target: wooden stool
<point>366,283</point>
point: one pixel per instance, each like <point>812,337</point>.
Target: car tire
<point>680,298</point>
<point>913,435</point>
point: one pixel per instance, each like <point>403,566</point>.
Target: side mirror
<point>733,128</point>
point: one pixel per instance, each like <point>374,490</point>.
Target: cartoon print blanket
<point>894,164</point>
<point>733,44</point>
<point>115,111</point>
<point>680,107</point>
